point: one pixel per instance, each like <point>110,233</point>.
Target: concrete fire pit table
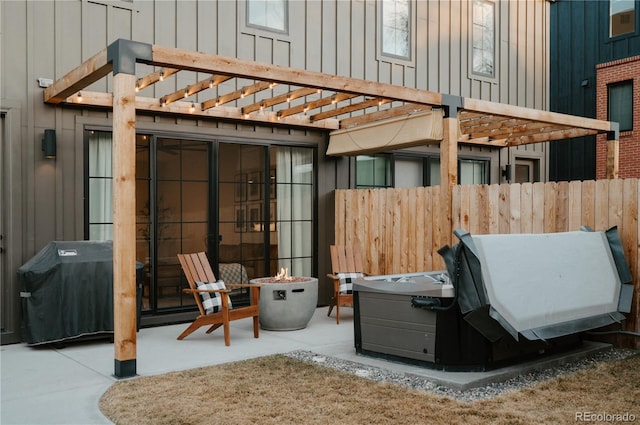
<point>287,305</point>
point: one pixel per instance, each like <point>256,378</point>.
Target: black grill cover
<point>67,291</point>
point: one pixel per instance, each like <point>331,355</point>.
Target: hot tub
<point>513,297</point>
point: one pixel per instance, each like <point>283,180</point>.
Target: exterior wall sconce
<point>506,172</point>
<point>49,143</point>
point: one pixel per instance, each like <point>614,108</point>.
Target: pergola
<point>272,95</point>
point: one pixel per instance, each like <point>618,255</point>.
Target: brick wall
<point>608,73</point>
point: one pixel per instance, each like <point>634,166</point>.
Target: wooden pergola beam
<point>484,141</point>
<point>92,70</point>
<point>202,62</point>
<point>192,89</point>
<point>154,77</point>
<point>237,94</point>
<point>184,108</point>
<point>310,106</point>
<point>286,97</point>
<point>550,136</point>
<point>383,115</point>
<point>349,108</point>
<point>487,107</point>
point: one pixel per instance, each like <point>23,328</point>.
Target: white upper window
<point>268,14</point>
<point>396,28</point>
<point>483,38</point>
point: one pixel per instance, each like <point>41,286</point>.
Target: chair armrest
<point>197,291</point>
<point>244,285</point>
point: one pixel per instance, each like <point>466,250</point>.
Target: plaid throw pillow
<point>346,279</point>
<point>212,301</point>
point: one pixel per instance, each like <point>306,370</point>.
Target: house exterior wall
<point>579,37</point>
<point>45,39</point>
<point>613,72</point>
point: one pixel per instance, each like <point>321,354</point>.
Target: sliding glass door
<point>249,206</point>
<point>266,206</point>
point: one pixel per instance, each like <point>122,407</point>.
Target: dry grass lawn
<point>281,390</point>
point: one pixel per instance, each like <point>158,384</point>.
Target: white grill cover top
<point>535,280</point>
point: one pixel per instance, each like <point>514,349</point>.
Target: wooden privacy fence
<point>401,230</point>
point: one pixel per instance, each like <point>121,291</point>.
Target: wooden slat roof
<point>233,89</point>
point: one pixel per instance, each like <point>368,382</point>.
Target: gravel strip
<point>479,393</point>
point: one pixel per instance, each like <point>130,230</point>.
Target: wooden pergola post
<point>448,165</point>
<point>613,152</point>
<point>124,224</point>
<point>123,54</point>
<point>613,158</point>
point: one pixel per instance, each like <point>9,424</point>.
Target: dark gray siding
<point>579,41</point>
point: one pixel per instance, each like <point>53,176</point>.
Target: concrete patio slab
<point>48,385</point>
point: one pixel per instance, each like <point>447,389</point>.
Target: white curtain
<point>100,187</point>
<point>294,175</point>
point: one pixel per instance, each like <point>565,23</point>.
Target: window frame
<point>391,57</point>
<point>252,28</point>
<point>429,161</point>
<point>620,84</point>
<point>477,75</point>
<point>389,171</point>
<point>633,32</point>
<point>486,164</point>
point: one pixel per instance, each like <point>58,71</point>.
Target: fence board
<point>575,205</point>
<point>615,203</point>
<point>562,207</point>
<point>589,204</point>
<point>428,234</point>
<point>493,209</point>
<point>538,208</point>
<point>550,194</point>
<point>436,242</point>
<point>602,205</point>
<point>526,208</point>
<point>504,206</point>
<point>514,208</point>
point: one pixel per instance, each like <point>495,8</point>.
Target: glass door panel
<point>293,208</point>
<point>182,214</point>
<point>241,208</point>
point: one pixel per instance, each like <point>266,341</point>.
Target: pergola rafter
<point>312,99</point>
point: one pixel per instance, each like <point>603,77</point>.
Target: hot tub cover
<point>540,286</point>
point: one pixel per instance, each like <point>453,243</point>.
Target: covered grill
<point>66,291</point>
<point>513,296</point>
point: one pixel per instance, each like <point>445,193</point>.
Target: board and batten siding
<point>579,31</point>
<point>45,38</point>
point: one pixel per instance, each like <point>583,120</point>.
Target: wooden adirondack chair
<point>346,264</point>
<point>196,268</point>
